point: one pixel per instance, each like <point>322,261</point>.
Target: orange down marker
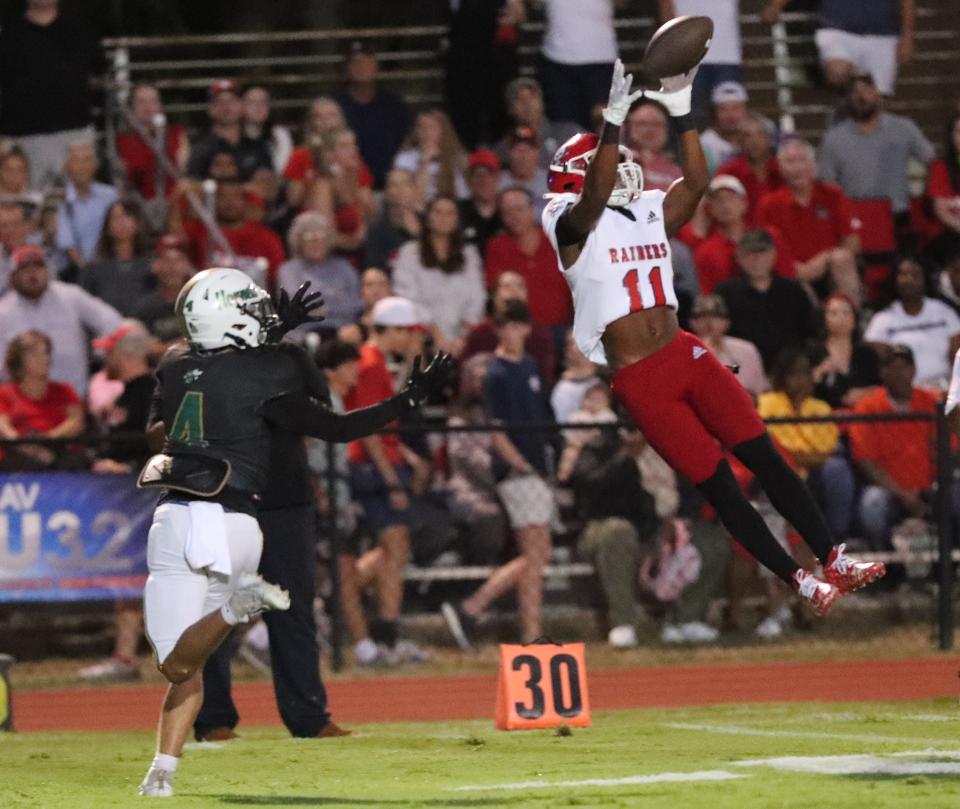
<point>542,686</point>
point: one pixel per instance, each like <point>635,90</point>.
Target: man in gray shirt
<point>868,153</point>
<point>64,312</point>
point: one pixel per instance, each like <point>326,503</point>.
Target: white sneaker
<point>253,595</point>
<point>112,669</point>
<point>406,651</point>
<point>698,632</point>
<point>157,784</point>
<point>769,628</point>
<point>671,633</point>
<point>365,652</point>
<point>622,637</point>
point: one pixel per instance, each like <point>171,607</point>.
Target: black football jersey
<point>211,404</point>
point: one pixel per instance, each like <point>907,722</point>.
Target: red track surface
<point>472,697</point>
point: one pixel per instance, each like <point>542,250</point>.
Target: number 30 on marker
<point>542,686</point>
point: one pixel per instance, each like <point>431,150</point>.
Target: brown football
<point>677,46</point>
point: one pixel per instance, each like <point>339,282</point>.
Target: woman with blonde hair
<point>433,152</point>
<point>323,116</point>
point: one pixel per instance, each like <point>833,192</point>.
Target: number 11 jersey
<point>624,267</point>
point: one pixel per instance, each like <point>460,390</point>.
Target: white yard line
<point>739,730</point>
<point>900,764</point>
<point>655,778</point>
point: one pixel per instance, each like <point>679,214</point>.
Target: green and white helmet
<point>221,308</point>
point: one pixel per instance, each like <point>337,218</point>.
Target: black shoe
<point>461,625</point>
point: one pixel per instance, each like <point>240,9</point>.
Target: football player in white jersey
<point>612,241</point>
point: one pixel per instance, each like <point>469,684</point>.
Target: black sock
<point>744,522</point>
<point>788,493</point>
<point>384,632</point>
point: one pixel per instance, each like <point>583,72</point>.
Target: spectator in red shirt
<point>755,166</point>
<point>715,258</point>
<point>482,338</point>
<point>139,160</point>
<point>943,182</point>
<point>816,221</point>
<point>524,248</point>
<point>896,458</point>
<point>380,478</point>
<point>325,115</point>
<point>255,249</point>
<point>647,137</point>
<point>34,405</point>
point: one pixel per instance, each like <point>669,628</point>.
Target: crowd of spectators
<point>421,227</point>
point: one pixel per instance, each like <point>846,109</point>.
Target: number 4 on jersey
<point>632,282</point>
<point>188,425</point>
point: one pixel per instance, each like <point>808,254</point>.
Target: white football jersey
<point>624,267</point>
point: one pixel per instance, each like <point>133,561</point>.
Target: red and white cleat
<point>819,594</point>
<point>847,574</point>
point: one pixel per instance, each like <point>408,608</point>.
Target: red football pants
<point>688,405</point>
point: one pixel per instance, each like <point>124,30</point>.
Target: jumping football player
<point>215,401</point>
<point>613,243</point>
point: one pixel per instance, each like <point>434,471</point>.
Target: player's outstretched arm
<point>685,194</point>
<point>299,413</point>
<point>577,222</point>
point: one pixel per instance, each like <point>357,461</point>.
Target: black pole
<point>336,637</point>
<point>945,532</point>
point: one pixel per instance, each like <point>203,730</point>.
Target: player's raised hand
<point>675,92</point>
<point>620,100</point>
<point>296,311</point>
<point>425,382</point>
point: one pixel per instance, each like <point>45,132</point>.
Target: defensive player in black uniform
<point>215,403</point>
<point>287,518</point>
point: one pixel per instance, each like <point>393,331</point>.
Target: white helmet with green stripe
<point>221,308</point>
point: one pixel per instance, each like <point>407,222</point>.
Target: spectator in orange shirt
<point>816,221</point>
<point>895,458</point>
<point>755,166</point>
<point>716,257</point>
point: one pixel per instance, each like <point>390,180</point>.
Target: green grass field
<point>877,755</point>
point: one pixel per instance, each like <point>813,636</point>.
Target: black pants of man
<point>289,559</point>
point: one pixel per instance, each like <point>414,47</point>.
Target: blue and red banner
<point>70,536</point>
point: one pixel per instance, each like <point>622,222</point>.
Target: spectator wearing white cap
<point>381,480</point>
<point>715,258</point>
<point>860,37</point>
<point>62,311</point>
<point>729,102</point>
<point>724,58</point>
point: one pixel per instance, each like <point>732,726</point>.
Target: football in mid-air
<point>677,46</point>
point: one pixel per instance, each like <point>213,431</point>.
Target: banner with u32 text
<point>68,536</point>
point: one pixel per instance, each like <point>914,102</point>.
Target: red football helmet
<point>569,167</point>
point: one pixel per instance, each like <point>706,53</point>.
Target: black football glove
<point>295,311</point>
<point>424,383</point>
